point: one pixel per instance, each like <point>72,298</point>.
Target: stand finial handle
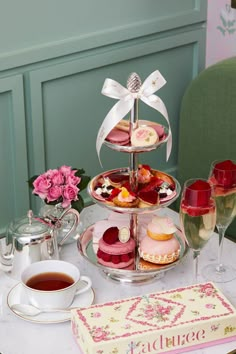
<point>134,82</point>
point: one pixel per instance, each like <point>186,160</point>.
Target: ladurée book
<point>172,321</point>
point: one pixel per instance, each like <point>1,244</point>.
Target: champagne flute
<point>223,178</point>
<point>197,216</point>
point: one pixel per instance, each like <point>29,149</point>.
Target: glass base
<point>219,274</point>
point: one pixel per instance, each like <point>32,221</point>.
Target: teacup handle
<point>86,287</point>
<point>75,224</point>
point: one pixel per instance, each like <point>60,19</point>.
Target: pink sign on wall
<point>221,31</point>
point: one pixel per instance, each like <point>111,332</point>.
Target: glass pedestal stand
<point>85,243</point>
<point>136,275</point>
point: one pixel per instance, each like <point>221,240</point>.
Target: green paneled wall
<point>50,85</point>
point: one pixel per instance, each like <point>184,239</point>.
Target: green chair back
<point>207,129</point>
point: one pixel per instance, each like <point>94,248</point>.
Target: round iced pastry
<point>159,252</point>
<point>161,228</point>
<point>118,137</point>
<point>144,136</point>
<point>117,255</point>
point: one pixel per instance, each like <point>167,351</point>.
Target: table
<point>21,337</point>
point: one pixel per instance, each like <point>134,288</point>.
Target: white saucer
<point>17,295</point>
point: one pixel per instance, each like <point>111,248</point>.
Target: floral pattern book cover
<point>194,316</point>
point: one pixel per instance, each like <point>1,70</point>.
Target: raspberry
<point>125,257</point>
<point>106,257</point>
<point>115,259</point>
<point>110,236</point>
<point>100,253</point>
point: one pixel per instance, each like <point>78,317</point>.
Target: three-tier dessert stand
<point>85,242</point>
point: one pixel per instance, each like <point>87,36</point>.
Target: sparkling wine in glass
<point>223,178</point>
<point>197,216</point>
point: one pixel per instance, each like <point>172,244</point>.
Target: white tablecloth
<point>21,337</point>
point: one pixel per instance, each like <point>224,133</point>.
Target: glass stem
<point>195,265</point>
<point>221,231</point>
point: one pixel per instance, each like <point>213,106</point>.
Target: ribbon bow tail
<point>156,103</point>
<point>114,116</point>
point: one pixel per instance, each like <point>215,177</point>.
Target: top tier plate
<point>138,149</point>
<point>101,179</point>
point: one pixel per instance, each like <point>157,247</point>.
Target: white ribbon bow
<point>113,89</point>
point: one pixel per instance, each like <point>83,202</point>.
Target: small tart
<point>148,199</point>
<point>124,204</point>
<point>163,176</point>
<point>126,199</point>
<point>117,180</point>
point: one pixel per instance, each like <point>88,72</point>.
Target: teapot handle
<point>75,223</point>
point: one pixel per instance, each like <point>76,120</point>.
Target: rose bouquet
<point>62,185</point>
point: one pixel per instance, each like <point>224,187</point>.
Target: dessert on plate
<point>154,188</point>
<point>146,133</point>
<point>160,245</point>
<point>116,248</point>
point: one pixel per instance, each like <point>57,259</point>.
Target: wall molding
<point>79,44</point>
<point>17,156</point>
<point>38,78</point>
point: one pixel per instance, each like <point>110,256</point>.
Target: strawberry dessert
<point>154,188</point>
<point>114,253</point>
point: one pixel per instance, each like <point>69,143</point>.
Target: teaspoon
<point>30,310</point>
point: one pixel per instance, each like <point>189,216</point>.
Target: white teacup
<point>39,276</point>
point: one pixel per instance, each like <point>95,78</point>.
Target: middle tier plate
<point>145,271</point>
<point>168,191</point>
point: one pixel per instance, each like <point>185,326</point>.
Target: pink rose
<point>50,173</point>
<point>54,193</point>
<point>57,178</point>
<point>71,179</point>
<point>41,186</point>
<point>69,193</point>
<point>65,170</point>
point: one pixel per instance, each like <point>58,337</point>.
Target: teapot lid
<point>28,227</point>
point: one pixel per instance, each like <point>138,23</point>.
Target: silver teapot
<point>31,239</point>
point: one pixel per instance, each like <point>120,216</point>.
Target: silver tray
<point>138,149</point>
<point>102,202</point>
<point>86,249</point>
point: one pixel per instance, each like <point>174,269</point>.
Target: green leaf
<point>79,172</point>
<point>84,182</point>
<point>31,181</point>
<point>78,204</point>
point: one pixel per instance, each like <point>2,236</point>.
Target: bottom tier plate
<point>86,249</point>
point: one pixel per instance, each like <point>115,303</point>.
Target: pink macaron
<point>118,137</point>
